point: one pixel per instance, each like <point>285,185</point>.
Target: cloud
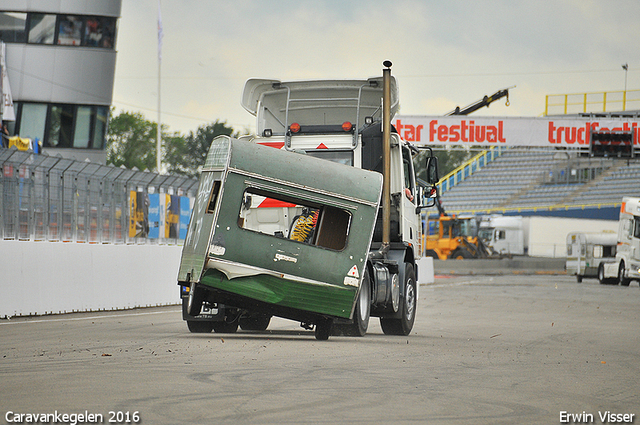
<point>444,53</point>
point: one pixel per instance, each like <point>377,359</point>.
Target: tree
<point>131,141</point>
<point>447,161</point>
<point>187,155</point>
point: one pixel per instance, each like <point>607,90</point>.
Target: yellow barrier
<point>573,103</point>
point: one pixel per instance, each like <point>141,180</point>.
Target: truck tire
<point>199,327</point>
<point>409,302</point>
<point>361,313</point>
<point>225,327</point>
<point>257,322</point>
<point>605,280</point>
<point>622,273</point>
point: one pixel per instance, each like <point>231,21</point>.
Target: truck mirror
<point>432,170</point>
<point>427,196</point>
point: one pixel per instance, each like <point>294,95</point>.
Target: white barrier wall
<point>55,277</point>
<point>548,235</point>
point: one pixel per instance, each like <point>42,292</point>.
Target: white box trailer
<point>505,235</point>
<point>586,251</point>
<point>626,266</point>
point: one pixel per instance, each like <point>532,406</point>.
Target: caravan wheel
<point>362,311</point>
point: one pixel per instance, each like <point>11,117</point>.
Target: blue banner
<point>185,214</point>
<point>154,216</point>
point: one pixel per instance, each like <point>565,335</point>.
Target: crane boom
<point>485,101</point>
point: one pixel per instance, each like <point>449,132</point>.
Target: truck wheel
<point>622,279</point>
<point>225,327</point>
<point>323,329</point>
<point>605,280</point>
<point>403,325</point>
<point>199,327</point>
<point>362,311</point>
<point>259,322</point>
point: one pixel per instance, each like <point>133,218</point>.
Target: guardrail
<point>46,198</point>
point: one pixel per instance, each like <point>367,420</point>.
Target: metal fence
<point>47,198</point>
<point>573,103</point>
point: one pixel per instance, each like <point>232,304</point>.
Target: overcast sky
<point>444,53</point>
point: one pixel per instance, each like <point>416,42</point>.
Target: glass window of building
<point>42,28</point>
<point>60,126</point>
<point>33,117</point>
<point>99,32</point>
<point>100,129</point>
<point>82,133</point>
<point>13,27</point>
<point>70,30</point>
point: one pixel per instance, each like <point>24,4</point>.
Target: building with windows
<point>60,61</point>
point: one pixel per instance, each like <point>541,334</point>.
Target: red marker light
<point>347,126</point>
<point>295,127</point>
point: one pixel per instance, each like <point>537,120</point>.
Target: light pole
<point>625,66</point>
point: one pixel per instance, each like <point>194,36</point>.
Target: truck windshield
<point>486,233</point>
<point>341,157</point>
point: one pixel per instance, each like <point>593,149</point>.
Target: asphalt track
<point>511,349</point>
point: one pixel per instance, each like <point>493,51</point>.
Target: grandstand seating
<point>534,177</point>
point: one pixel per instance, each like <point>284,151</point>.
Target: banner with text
<point>507,131</point>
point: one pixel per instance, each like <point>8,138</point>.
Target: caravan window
<point>597,251</point>
<point>294,219</point>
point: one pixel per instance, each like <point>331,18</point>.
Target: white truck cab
<point>505,235</point>
<point>339,120</point>
<point>626,266</point>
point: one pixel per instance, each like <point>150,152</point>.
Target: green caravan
<point>303,258</point>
